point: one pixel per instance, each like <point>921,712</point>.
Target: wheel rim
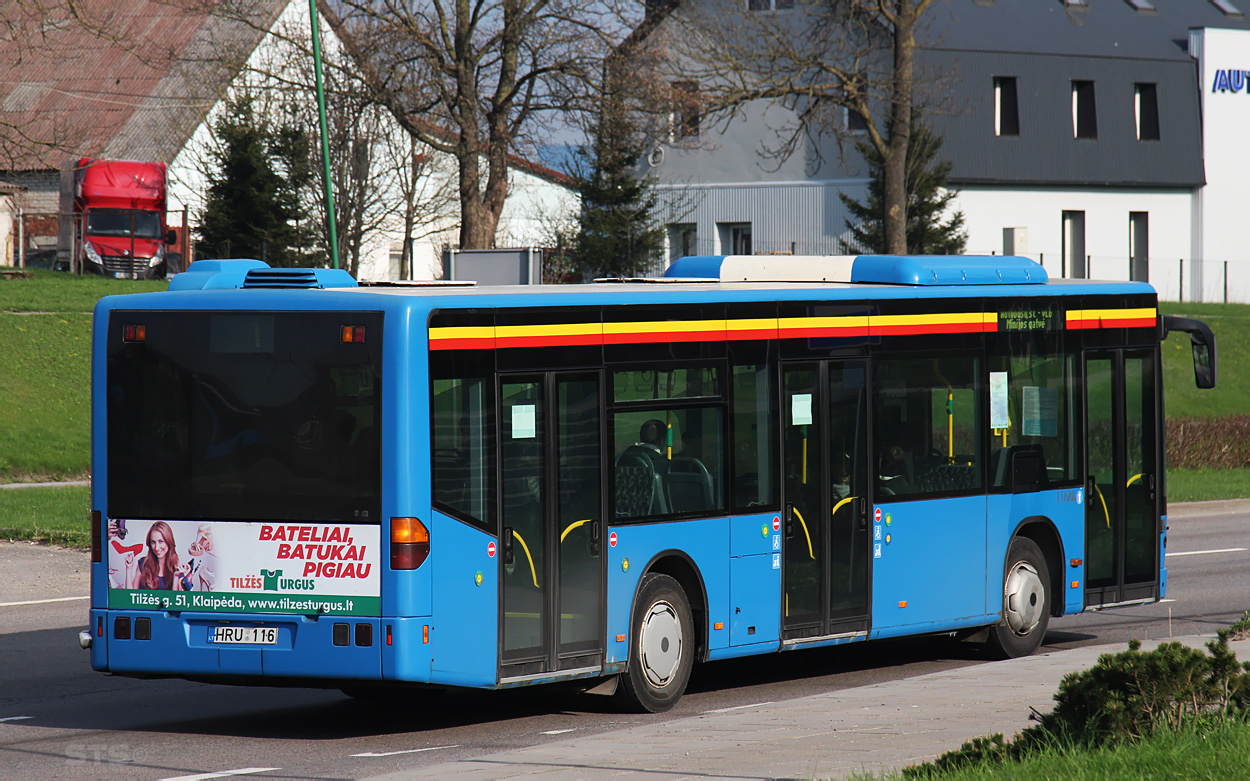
<point>1024,598</point>
<point>660,642</point>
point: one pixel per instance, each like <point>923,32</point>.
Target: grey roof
<point>1045,152</point>
<point>1098,28</point>
<point>1045,45</point>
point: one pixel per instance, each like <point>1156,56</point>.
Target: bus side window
<point>460,447</point>
<point>753,450</point>
<point>1040,381</point>
<point>927,420</point>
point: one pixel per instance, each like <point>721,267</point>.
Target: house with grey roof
<point>1100,137</point>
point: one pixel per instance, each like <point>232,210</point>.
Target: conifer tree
<point>616,234</point>
<point>253,206</point>
<point>927,201</point>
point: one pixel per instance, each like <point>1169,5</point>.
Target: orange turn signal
<point>410,543</point>
<point>409,530</point>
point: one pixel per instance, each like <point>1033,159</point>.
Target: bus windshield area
<point>124,223</point>
<point>244,416</point>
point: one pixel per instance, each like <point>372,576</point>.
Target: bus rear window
<point>244,416</point>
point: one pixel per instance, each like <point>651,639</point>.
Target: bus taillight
<point>410,543</point>
<point>97,546</point>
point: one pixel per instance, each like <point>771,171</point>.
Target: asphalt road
<point>60,719</point>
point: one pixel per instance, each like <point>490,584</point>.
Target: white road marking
<point>1161,601</point>
<point>558,731</point>
<point>405,751</point>
<point>1201,552</point>
<point>223,774</point>
<point>15,718</point>
<point>738,707</point>
<point>41,601</point>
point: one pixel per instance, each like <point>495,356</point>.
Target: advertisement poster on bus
<point>232,567</point>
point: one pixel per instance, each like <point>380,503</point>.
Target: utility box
<point>1016,241</point>
<point>523,266</point>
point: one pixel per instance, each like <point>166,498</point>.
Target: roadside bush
<point>1124,697</point>
<point>1208,443</point>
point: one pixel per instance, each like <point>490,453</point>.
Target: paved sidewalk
<point>873,728</point>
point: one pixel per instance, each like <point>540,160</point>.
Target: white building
<point>1100,137</point>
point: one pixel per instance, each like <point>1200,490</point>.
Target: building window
<point>1006,109</point>
<point>1139,246</point>
<point>686,110</point>
<point>1073,259</point>
<point>735,237</point>
<point>853,122</point>
<point>1146,107</point>
<point>1084,114</point>
<point>683,240</point>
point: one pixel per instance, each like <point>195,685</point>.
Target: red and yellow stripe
<point>664,331</point>
<point>1084,319</point>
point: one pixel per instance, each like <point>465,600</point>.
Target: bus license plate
<point>246,635</point>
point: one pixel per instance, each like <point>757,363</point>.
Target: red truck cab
<point>121,205</point>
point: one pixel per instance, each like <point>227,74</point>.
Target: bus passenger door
<point>1122,523</point>
<point>826,540</point>
<point>551,570</point>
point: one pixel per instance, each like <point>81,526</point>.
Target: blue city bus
<point>299,480</point>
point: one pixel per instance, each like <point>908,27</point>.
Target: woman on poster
<point>157,570</point>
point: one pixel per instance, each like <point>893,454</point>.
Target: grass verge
<point>56,515</point>
<point>1231,325</point>
<point>1221,751</point>
<point>45,368</point>
<point>55,291</point>
<point>1202,485</point>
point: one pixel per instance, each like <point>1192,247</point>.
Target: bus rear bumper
<point>181,644</point>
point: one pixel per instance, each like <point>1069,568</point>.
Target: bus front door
<point>550,569</point>
<point>826,539</point>
<point>1122,481</point>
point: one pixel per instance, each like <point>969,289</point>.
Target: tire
<point>1026,602</point>
<point>661,654</point>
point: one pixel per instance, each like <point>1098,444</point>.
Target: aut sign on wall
<point>1230,80</point>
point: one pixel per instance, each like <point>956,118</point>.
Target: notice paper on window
<point>999,417</point>
<point>1041,412</point>
<point>523,421</point>
<point>801,409</point>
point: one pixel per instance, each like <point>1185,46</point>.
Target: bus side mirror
<point>1203,342</point>
<point>171,238</point>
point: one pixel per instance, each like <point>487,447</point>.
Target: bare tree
<point>825,60</point>
<point>480,80</point>
<point>385,182</point>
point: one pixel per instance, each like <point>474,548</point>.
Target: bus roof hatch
<point>927,270</point>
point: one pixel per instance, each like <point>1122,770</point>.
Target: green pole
<point>325,136</point>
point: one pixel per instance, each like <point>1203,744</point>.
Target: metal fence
<point>54,240</point>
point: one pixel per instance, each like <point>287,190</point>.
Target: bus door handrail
<point>799,515</point>
<point>573,526</point>
<point>533,572</point>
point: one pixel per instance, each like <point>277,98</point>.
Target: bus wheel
<point>662,653</point>
<point>1026,602</point>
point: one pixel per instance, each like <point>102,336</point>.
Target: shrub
<point>1208,443</point>
<point>1124,697</point>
